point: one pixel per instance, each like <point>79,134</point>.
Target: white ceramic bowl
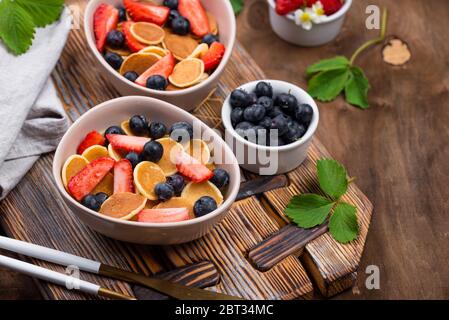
<point>286,28</point>
<point>265,160</point>
<point>188,98</point>
<point>113,112</point>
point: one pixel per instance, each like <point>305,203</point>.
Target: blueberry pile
<point>269,120</point>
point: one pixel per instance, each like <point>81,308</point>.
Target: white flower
<point>304,18</point>
<point>318,11</point>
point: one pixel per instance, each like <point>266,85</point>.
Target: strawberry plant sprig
<point>328,78</point>
<point>310,210</point>
<point>19,18</point>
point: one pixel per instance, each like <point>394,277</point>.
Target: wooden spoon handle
<point>288,240</point>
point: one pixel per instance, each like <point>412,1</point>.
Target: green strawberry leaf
<point>43,12</point>
<point>308,210</point>
<point>327,85</point>
<point>16,27</point>
<point>343,224</point>
<point>339,62</point>
<point>332,178</point>
<point>237,5</point>
<point>356,90</point>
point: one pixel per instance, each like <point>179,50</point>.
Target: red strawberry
<point>310,3</point>
<point>163,67</point>
<point>105,20</point>
<point>89,177</point>
<point>284,7</point>
<point>213,56</point>
<point>133,44</point>
<point>91,139</point>
<point>127,143</point>
<point>193,11</point>
<point>192,168</point>
<point>147,12</point>
<point>331,6</point>
<point>123,176</point>
<point>163,215</point>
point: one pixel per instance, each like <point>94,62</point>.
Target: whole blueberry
<point>113,59</point>
<point>91,202</point>
<point>164,191</point>
<point>303,113</point>
<point>287,102</point>
<point>236,116</point>
<point>101,197</point>
<point>157,82</point>
<point>172,16</point>
<point>279,123</point>
<point>114,130</point>
<point>181,131</point>
<point>180,25</point>
<point>152,151</point>
<point>209,39</point>
<point>264,89</point>
<point>131,76</point>
<point>266,102</point>
<point>134,158</point>
<point>122,14</point>
<point>275,112</point>
<point>242,127</point>
<point>254,113</point>
<point>138,125</point>
<point>239,99</point>
<point>172,4</point>
<point>276,141</point>
<point>294,132</point>
<point>220,178</point>
<point>265,122</point>
<point>204,205</point>
<point>157,130</point>
<point>177,182</point>
<point>115,39</point>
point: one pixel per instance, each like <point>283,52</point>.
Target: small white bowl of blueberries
<point>269,125</point>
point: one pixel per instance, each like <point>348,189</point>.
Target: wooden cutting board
<point>253,250</point>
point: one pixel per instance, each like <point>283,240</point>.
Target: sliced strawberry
<point>192,168</point>
<point>123,176</point>
<point>105,20</point>
<point>213,56</point>
<point>133,44</point>
<point>147,12</point>
<point>91,139</point>
<point>89,177</point>
<point>331,6</point>
<point>163,215</point>
<point>193,11</point>
<point>284,7</point>
<point>311,2</point>
<point>163,67</point>
<point>127,143</point>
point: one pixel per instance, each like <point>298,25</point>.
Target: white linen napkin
<point>32,119</point>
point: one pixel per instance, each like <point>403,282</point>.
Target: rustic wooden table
<point>397,153</point>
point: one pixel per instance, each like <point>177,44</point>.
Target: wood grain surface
<point>397,149</point>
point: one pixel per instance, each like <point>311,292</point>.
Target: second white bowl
<point>265,160</point>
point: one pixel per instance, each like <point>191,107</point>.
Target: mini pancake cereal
<point>148,33</point>
<point>187,73</point>
<point>182,29</point>
<point>135,171</point>
<point>95,152</point>
<point>123,205</point>
<point>139,62</point>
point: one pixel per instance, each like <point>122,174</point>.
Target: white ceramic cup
<point>266,160</point>
<point>113,112</point>
<point>188,98</point>
<point>322,33</point>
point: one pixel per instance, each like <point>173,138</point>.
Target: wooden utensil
<point>168,288</point>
